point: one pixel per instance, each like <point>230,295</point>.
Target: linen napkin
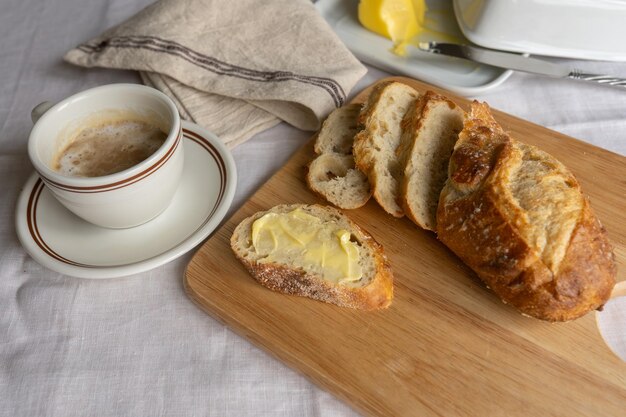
<point>234,67</point>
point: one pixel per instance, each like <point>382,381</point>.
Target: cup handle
<point>40,109</point>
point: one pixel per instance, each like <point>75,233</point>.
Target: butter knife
<point>517,62</point>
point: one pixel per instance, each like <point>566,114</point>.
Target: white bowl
<point>585,29</point>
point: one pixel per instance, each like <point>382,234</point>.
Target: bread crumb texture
<point>375,146</point>
<point>332,174</point>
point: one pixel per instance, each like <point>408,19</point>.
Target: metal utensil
<point>517,62</point>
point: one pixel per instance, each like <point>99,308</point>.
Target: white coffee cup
<point>124,199</point>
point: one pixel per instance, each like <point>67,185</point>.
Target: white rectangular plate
<point>462,77</point>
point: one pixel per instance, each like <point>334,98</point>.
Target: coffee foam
<point>109,146</point>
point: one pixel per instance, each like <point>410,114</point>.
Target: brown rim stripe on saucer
<point>220,163</point>
<point>31,210</point>
<point>33,228</point>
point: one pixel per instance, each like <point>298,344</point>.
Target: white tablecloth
<point>137,346</point>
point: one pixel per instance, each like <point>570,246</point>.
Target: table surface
<point>137,346</point>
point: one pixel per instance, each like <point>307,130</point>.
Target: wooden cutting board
<point>446,346</point>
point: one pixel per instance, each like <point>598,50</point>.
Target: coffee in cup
<point>108,145</point>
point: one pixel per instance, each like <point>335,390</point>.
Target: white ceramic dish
<point>126,198</point>
<point>61,241</point>
<point>462,77</point>
<point>584,29</point>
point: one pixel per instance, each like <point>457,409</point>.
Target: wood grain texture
<point>447,346</point>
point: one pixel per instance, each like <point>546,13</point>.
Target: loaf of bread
<point>517,217</point>
<point>430,129</point>
<point>332,174</point>
<point>288,268</point>
<point>375,146</point>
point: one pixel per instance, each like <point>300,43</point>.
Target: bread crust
<point>287,279</point>
<point>478,221</point>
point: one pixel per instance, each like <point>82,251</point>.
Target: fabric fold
<point>234,67</point>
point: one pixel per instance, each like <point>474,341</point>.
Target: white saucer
<point>61,241</point>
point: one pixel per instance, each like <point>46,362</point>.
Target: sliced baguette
<point>430,129</point>
<point>376,144</point>
<point>518,218</point>
<point>333,174</point>
<point>373,291</point>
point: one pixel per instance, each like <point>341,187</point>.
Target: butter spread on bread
<point>286,249</point>
<point>518,218</point>
<point>305,240</point>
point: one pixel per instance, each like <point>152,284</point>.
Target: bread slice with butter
<point>333,174</point>
<point>317,252</point>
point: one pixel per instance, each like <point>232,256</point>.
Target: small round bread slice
<point>338,130</point>
<point>373,291</point>
<point>333,175</point>
<point>335,178</point>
